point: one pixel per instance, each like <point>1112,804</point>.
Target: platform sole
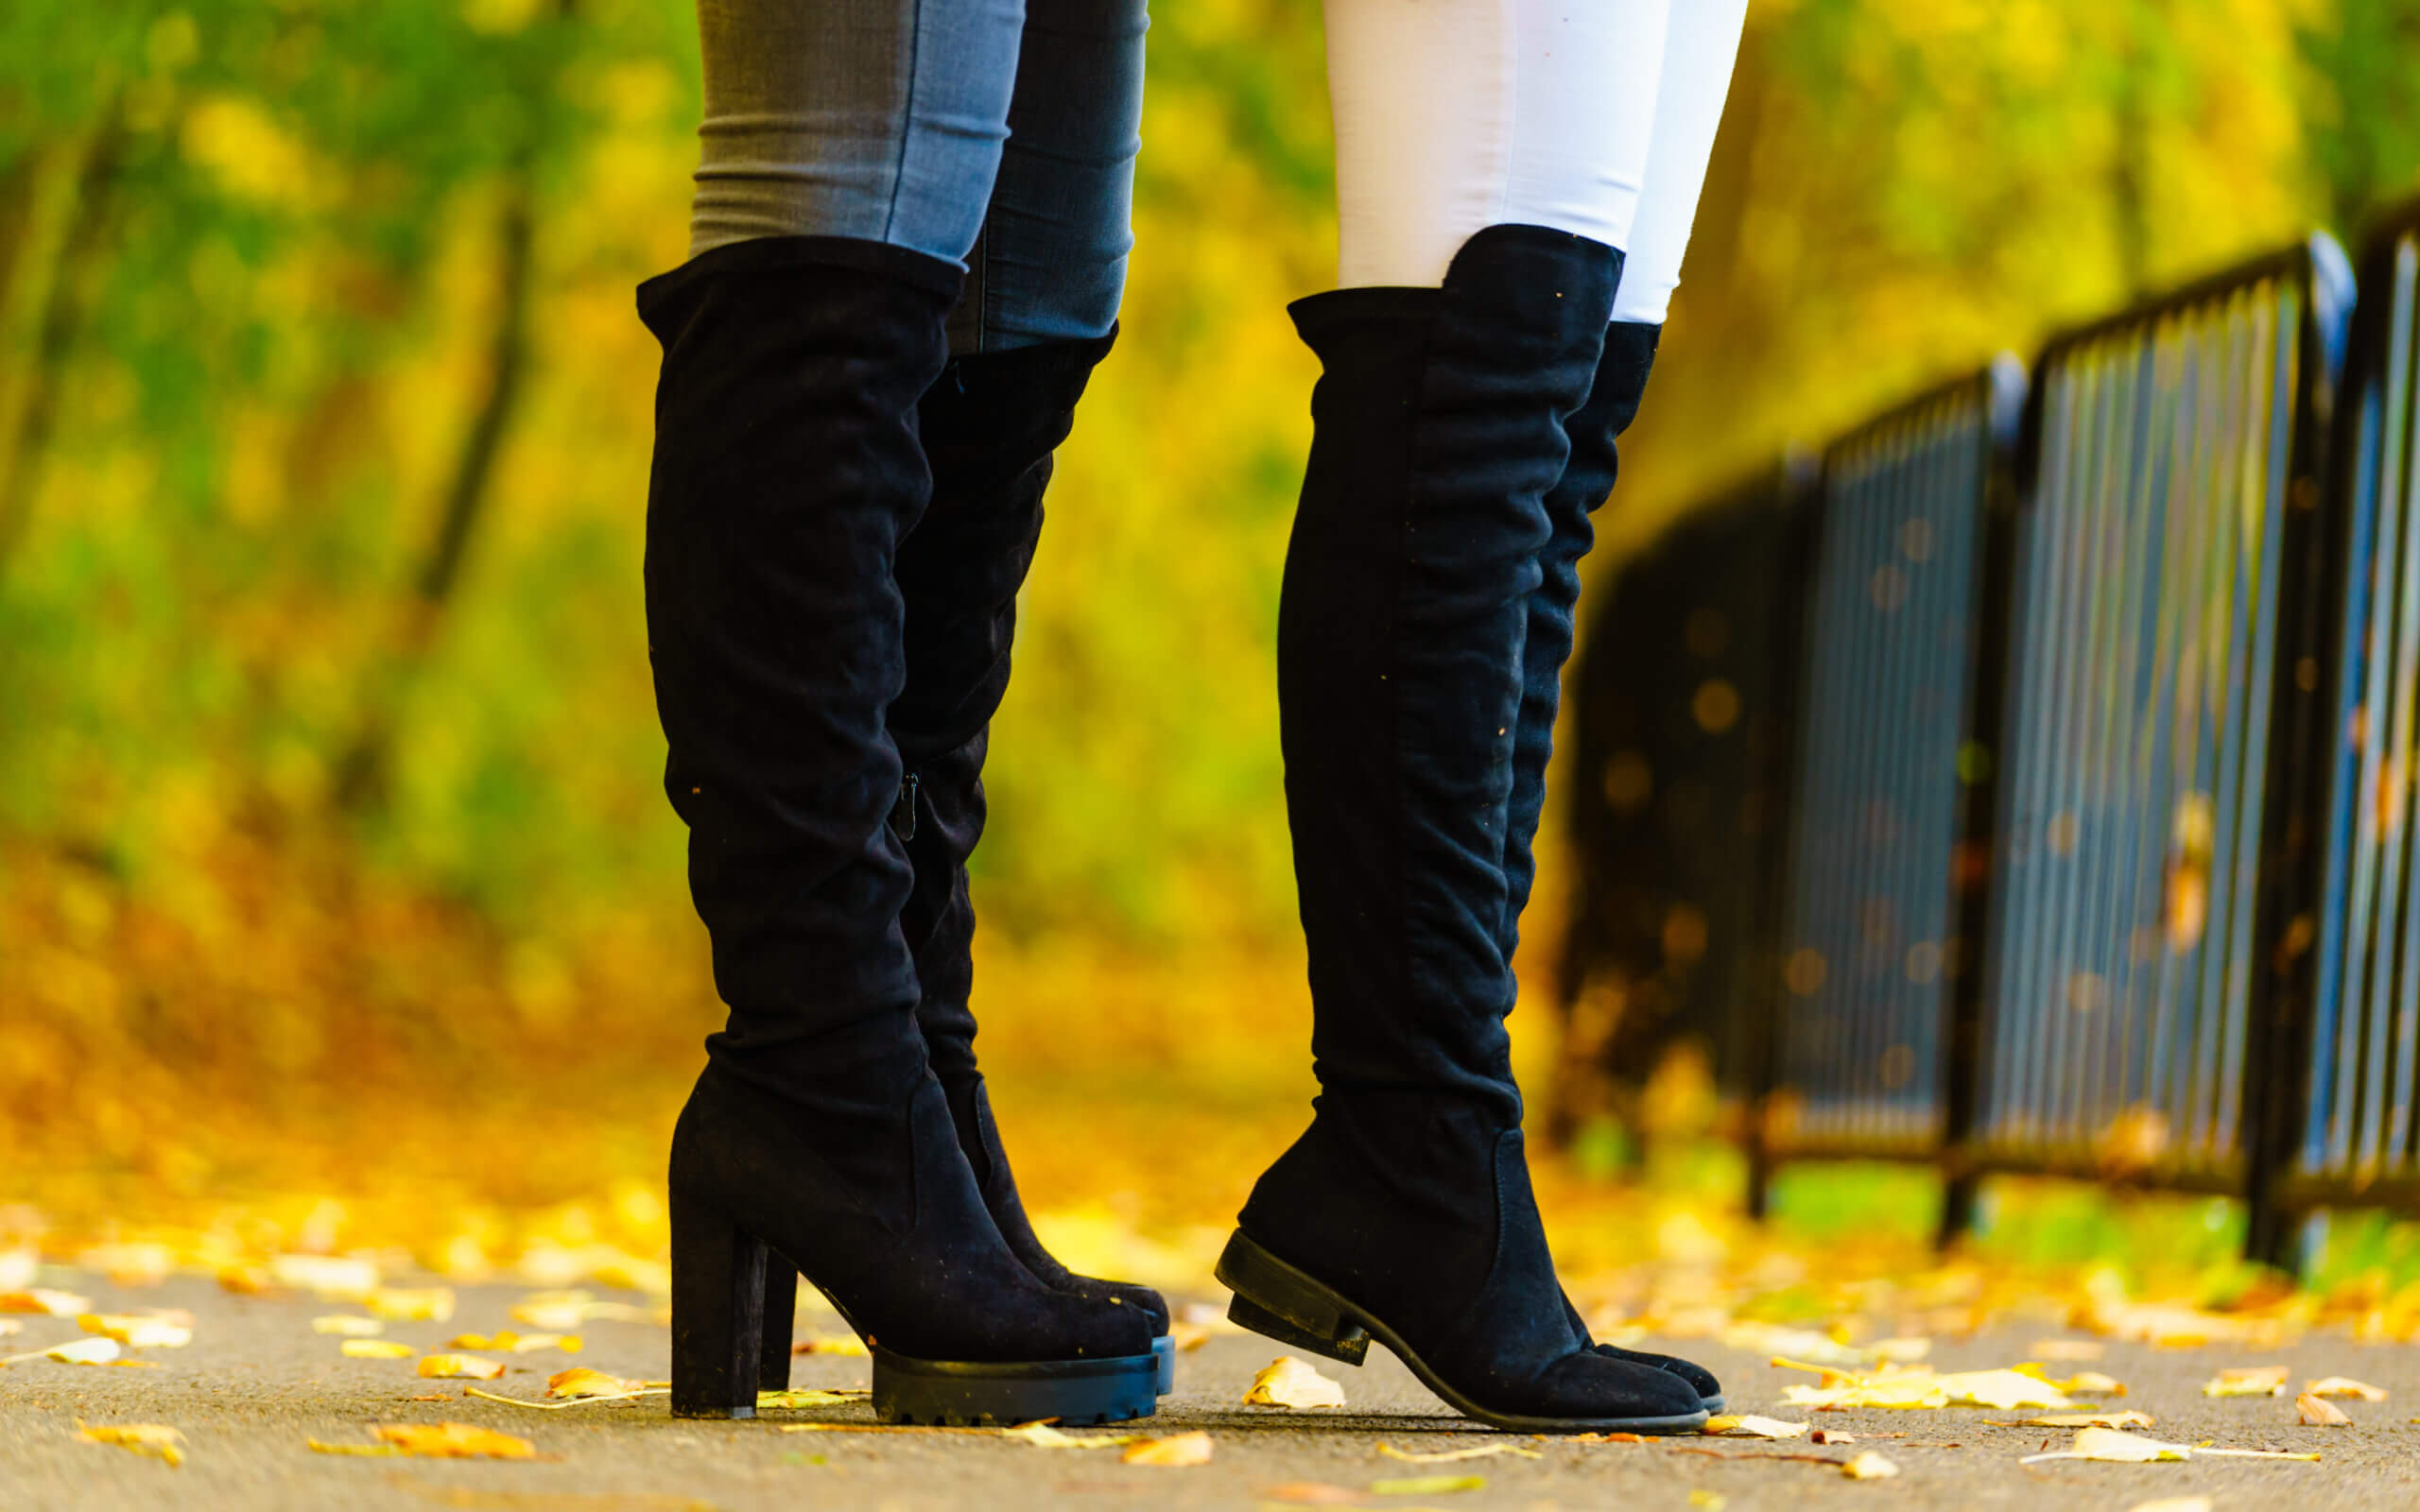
<point>1069,1392</point>
<point>1287,1304</point>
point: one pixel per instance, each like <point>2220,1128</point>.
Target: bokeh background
<point>333,864</point>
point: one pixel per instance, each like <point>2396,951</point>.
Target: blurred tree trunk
<point>65,297</point>
<point>363,771</point>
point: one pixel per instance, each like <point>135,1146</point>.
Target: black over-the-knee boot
<point>786,471</point>
<point>989,426</point>
<point>1405,1210</point>
<point>1593,431</point>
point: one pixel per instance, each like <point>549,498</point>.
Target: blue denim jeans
<point>996,134</point>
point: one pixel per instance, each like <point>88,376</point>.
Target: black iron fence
<point>2104,732</point>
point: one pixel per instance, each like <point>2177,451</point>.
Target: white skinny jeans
<point>1590,116</point>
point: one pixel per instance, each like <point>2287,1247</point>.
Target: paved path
<point>256,1383</point>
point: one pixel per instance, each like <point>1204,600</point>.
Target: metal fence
<point>1889,652</point>
<point>1683,697</point>
<point>2106,748</point>
<point>2353,1125</point>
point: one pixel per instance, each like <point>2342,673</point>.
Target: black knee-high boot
<point>989,426</point>
<point>786,471</point>
<point>1405,1212</point>
<point>1587,479</point>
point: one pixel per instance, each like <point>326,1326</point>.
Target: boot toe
<point>1590,1387</point>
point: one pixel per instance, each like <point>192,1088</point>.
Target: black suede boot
<point>1405,1212</point>
<point>1587,479</point>
<point>786,471</point>
<point>989,426</point>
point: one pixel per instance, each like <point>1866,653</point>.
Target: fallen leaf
<point>2248,1381</point>
<point>343,1277</point>
<point>1605,1438</point>
<point>137,1331</point>
<point>1708,1501</point>
<point>2317,1412</point>
<point>1188,1337</point>
<point>1175,1451</point>
<point>2067,1350</point>
<point>1314,1493</point>
<point>1870,1466</point>
<point>156,1440</point>
<point>2091,1384</point>
<point>348,1325</point>
<point>1752,1426</point>
<point>41,1300</point>
<point>460,1365</point>
<point>580,1381</point>
<point>17,1268</point>
<point>807,1396</point>
<point>94,1350</point>
<point>376,1350</point>
<point>2342,1386</point>
<point>321,1447</point>
<point>1289,1382</point>
<point>1830,1436</point>
<point>2001,1390</point>
<point>2112,1447</point>
<point>1446,1456</point>
<point>2128,1419</point>
<point>9,1325</point>
<point>424,1304</point>
<point>2174,1503</point>
<point>842,1346</point>
<point>1041,1435</point>
<point>452,1441</point>
<point>1429,1484</point>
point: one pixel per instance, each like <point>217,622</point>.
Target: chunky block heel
<point>781,1311</point>
<point>717,1313</point>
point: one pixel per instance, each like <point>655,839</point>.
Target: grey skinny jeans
<point>996,134</point>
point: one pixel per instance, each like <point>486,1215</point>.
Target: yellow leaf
<point>2174,1503</point>
<point>471,1365</point>
<point>1289,1382</point>
<point>580,1381</point>
<point>1830,1436</point>
<point>1188,1337</point>
<point>452,1441</point>
<point>1176,1451</point>
<point>1708,1501</point>
<point>136,1331</point>
<point>2247,1381</point>
<point>2067,1349</point>
<point>367,1451</point>
<point>157,1439</point>
<point>1447,1456</point>
<point>1869,1466</point>
<point>2342,1387</point>
<point>39,1300</point>
<point>1753,1426</point>
<point>376,1350</point>
<point>1429,1484</point>
<point>83,1351</point>
<point>807,1397</point>
<point>2091,1384</point>
<point>2110,1446</point>
<point>1041,1435</point>
<point>350,1327</point>
<point>343,1277</point>
<point>2001,1391</point>
<point>2092,1420</point>
<point>555,1311</point>
<point>2317,1412</point>
<point>841,1345</point>
<point>480,1341</point>
<point>431,1304</point>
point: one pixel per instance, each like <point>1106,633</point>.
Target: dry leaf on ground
<point>2067,1350</point>
<point>1289,1382</point>
<point>2110,1446</point>
<point>2317,1412</point>
<point>1830,1436</point>
<point>348,1325</point>
<point>1429,1484</point>
<point>1753,1426</point>
<point>513,1342</point>
<point>1041,1435</point>
<point>452,1441</point>
<point>376,1350</point>
<point>17,1268</point>
<point>1187,1336</point>
<point>1313,1493</point>
<point>1176,1451</point>
<point>2127,1419</point>
<point>2090,1384</point>
<point>344,1277</point>
<point>580,1381</point>
<point>2344,1386</point>
<point>156,1440</point>
<point>408,1304</point>
<point>41,1300</point>
<point>843,1346</point>
<point>136,1329</point>
<point>470,1366</point>
<point>2174,1503</point>
<point>91,1351</point>
<point>1447,1456</point>
<point>793,1397</point>
<point>1870,1466</point>
<point>2247,1381</point>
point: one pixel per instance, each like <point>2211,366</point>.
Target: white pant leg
<point>1452,116</point>
<point>1699,46</point>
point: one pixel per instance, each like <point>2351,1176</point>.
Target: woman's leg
<point>1486,149</point>
<point>850,149</point>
